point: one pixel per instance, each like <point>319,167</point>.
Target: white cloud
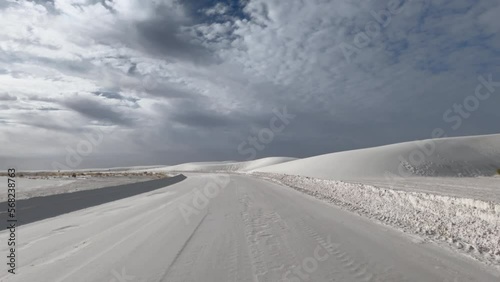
<point>239,68</point>
<point>217,9</point>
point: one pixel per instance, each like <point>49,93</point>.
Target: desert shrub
<point>498,171</point>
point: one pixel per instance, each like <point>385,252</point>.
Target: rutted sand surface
<point>471,225</point>
<point>479,188</point>
<point>250,230</point>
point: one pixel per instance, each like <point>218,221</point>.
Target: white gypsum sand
<point>451,194</point>
<point>253,230</point>
<point>468,224</point>
<point>225,166</point>
<point>453,157</point>
<point>432,200</point>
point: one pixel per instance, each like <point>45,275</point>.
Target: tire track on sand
<point>270,252</point>
<point>177,256</point>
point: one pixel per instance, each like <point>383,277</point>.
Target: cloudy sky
<point>171,81</point>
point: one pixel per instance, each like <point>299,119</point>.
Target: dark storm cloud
<point>43,2</point>
<point>48,109</point>
<point>109,95</point>
<point>206,120</point>
<point>162,35</point>
<point>165,91</point>
<point>207,81</point>
<point>5,4</point>
<point>95,110</point>
<point>48,4</point>
<point>164,38</point>
<point>115,96</point>
<point>104,3</point>
<point>44,122</point>
<point>132,70</point>
<point>197,9</point>
<point>7,97</point>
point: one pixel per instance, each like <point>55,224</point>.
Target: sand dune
<point>226,165</point>
<point>452,157</point>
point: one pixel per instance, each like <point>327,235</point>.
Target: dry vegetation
<point>56,174</point>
